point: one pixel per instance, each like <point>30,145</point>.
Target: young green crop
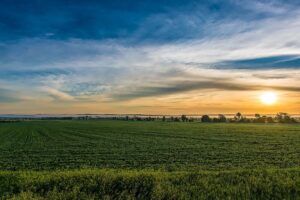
<point>147,184</point>
<point>49,145</point>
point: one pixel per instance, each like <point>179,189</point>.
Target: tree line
<point>221,118</point>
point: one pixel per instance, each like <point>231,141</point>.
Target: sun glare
<point>268,98</point>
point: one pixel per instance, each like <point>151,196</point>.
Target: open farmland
<point>42,145</point>
<point>262,159</point>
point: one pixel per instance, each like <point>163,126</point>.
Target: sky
<point>150,57</point>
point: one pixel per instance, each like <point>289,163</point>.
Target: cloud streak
<point>58,95</point>
<point>271,62</point>
<point>199,86</point>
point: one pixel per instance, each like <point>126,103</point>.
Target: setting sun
<point>268,98</point>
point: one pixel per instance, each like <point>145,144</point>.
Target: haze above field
<point>170,57</point>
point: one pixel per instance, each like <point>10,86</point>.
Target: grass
<point>148,160</point>
<point>145,184</point>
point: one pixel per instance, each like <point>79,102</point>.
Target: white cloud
<point>58,95</point>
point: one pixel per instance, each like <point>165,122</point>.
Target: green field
<point>43,158</point>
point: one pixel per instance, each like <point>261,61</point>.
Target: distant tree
<point>205,118</point>
<point>184,118</point>
<point>215,119</point>
<point>137,118</point>
<point>245,120</point>
<point>269,120</point>
<point>262,119</point>
<point>149,119</point>
<point>293,120</point>
<point>259,119</point>
<point>222,118</point>
<point>284,118</point>
<point>176,119</point>
<point>163,118</point>
<point>281,116</point>
<point>257,115</point>
<point>238,115</point>
<point>127,118</point>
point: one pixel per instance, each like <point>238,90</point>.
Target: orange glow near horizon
<point>193,102</point>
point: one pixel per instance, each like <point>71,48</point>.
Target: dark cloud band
<point>273,62</point>
<point>186,86</point>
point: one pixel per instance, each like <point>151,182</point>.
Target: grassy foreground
<point>147,184</point>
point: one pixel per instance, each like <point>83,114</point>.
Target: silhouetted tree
<point>176,119</point>
<point>269,120</point>
<point>222,118</point>
<point>284,118</point>
<point>238,116</point>
<point>262,119</point>
<point>257,115</point>
<point>184,118</point>
<point>215,119</point>
<point>205,118</point>
<point>281,116</point>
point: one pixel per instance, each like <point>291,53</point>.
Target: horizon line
<point>143,114</point>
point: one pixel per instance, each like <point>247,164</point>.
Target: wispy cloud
<point>199,86</point>
<point>267,7</point>
<point>271,62</point>
<point>57,95</point>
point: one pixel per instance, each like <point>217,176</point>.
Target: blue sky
<point>137,21</point>
<point>147,56</point>
<point>133,20</point>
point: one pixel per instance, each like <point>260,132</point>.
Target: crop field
<point>250,159</point>
<point>44,145</point>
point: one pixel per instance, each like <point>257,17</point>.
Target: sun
<point>268,98</point>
